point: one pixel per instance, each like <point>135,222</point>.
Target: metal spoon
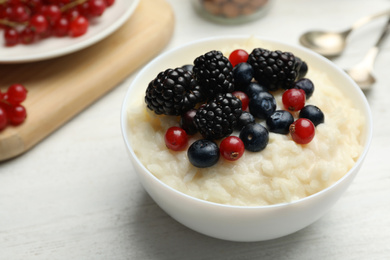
<point>361,73</point>
<point>332,44</point>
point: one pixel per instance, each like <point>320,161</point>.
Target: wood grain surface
<point>60,88</point>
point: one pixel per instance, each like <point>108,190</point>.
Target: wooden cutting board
<point>60,88</point>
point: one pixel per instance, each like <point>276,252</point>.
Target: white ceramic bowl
<point>240,223</point>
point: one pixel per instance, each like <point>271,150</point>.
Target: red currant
<point>243,97</point>
<point>16,94</point>
<point>83,9</point>
<point>232,148</point>
<point>61,27</point>
<point>27,36</point>
<point>97,7</point>
<point>11,37</point>
<point>52,13</point>
<point>20,13</point>
<point>78,26</point>
<point>109,2</point>
<point>35,4</point>
<point>3,118</point>
<point>39,23</point>
<point>176,138</point>
<point>238,56</point>
<point>72,14</point>
<point>294,99</point>
<point>302,131</point>
<point>17,114</point>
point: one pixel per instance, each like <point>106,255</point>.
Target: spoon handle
<point>373,52</point>
<point>362,21</point>
<point>384,33</point>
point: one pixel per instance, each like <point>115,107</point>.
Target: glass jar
<point>232,11</point>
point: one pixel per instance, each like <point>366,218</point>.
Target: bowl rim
<point>368,123</point>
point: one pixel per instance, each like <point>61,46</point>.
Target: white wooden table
<point>75,196</point>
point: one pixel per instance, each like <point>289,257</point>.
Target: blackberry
<point>173,92</point>
<point>218,118</point>
<point>214,73</point>
<point>274,69</point>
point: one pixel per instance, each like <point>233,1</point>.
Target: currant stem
<point>72,4</point>
<point>10,23</point>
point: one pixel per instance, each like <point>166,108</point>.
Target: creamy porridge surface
<point>283,172</point>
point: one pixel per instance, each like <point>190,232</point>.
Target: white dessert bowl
<point>243,223</point>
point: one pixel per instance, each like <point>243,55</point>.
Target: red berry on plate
<point>17,114</point>
<point>11,37</point>
<point>39,23</point>
<point>52,13</point>
<point>72,14</point>
<point>27,36</point>
<point>243,97</point>
<point>294,99</point>
<point>61,27</point>
<point>109,2</point>
<point>20,13</point>
<point>3,118</point>
<point>176,138</point>
<point>232,148</point>
<point>238,56</point>
<point>16,94</point>
<point>302,131</point>
<point>97,7</point>
<point>78,26</point>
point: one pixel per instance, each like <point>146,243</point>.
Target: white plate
<point>101,27</point>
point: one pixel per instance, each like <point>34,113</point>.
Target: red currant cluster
<point>11,110</point>
<point>26,21</point>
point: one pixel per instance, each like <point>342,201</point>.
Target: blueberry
<point>255,137</point>
<point>279,122</point>
<point>243,75</point>
<point>188,67</point>
<point>187,122</point>
<point>262,105</point>
<point>313,113</point>
<point>255,88</point>
<point>245,119</point>
<point>307,86</point>
<point>302,68</point>
<point>203,153</point>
